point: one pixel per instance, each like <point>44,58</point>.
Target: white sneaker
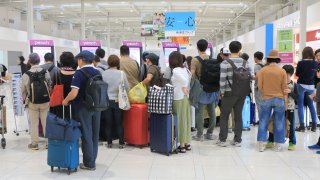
<point>235,143</point>
<point>221,143</point>
<point>210,136</point>
<point>262,146</point>
<point>277,147</point>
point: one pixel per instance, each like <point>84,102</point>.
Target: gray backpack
<point>240,80</point>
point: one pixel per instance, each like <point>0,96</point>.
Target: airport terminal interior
<point>141,104</point>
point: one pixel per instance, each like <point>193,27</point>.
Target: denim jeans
<point>292,133</point>
<point>90,124</point>
<point>278,107</point>
<point>301,97</point>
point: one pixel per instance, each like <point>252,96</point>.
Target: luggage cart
<point>2,122</point>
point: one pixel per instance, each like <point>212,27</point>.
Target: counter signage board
<point>41,47</point>
<point>89,45</point>
<point>135,48</point>
<point>180,24</point>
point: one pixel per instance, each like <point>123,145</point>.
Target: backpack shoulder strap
<point>199,59</point>
<point>261,65</point>
<point>51,67</point>
<point>85,73</point>
<point>231,63</point>
<point>102,68</point>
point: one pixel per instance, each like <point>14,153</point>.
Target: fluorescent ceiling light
<point>43,7</point>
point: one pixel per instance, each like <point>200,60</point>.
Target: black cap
<point>153,58</point>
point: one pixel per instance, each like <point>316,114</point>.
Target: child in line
<point>290,107</point>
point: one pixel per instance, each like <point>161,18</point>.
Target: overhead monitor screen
<point>91,49</point>
<point>135,54</point>
<point>41,51</point>
<point>167,52</point>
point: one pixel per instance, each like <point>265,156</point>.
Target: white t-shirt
<point>180,78</point>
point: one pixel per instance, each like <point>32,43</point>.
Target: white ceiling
<point>125,16</point>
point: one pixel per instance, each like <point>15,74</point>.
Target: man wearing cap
<point>225,53</point>
<point>153,73</point>
<point>273,86</point>
<point>89,120</point>
<point>36,111</point>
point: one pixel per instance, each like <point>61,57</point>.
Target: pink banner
<point>89,43</point>
<point>170,45</point>
<point>132,43</point>
<point>41,43</point>
<point>286,58</point>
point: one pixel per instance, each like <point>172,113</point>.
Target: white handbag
<point>123,99</point>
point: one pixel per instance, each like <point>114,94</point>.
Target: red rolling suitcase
<point>136,125</point>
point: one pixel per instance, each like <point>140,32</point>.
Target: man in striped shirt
<point>228,101</point>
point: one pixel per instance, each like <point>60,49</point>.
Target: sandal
<point>188,147</point>
<point>182,149</point>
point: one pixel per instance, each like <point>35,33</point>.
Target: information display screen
<point>91,49</point>
<point>167,52</point>
<point>135,54</point>
<point>41,51</point>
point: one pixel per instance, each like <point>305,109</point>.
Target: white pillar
<point>236,30</point>
<point>303,26</point>
<point>224,37</point>
<point>83,21</point>
<point>109,34</point>
<point>256,20</point>
<point>30,23</point>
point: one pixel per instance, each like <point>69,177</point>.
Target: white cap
<point>225,51</point>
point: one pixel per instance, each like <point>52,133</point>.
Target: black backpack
<point>240,80</point>
<point>39,89</point>
<point>210,74</point>
<point>96,92</point>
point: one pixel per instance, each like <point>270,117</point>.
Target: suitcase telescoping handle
<point>69,110</point>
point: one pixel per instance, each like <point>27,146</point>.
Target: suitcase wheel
<point>59,168</point>
<point>151,150</point>
<point>17,134</point>
<point>168,154</point>
<point>148,144</point>
<point>51,168</point>
<point>176,151</point>
<point>69,171</point>
<point>76,170</point>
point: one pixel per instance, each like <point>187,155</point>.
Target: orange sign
<point>180,40</point>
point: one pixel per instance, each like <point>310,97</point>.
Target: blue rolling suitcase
<point>253,113</point>
<point>246,114</point>
<point>163,133</point>
<point>63,154</point>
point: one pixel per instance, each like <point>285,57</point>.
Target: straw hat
<point>273,54</point>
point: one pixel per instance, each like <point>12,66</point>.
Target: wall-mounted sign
<point>181,40</point>
<point>147,24</point>
<point>179,24</point>
<point>285,40</point>
<point>286,58</point>
<point>311,36</point>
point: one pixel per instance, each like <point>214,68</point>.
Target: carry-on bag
<point>160,99</point>
<point>253,113</point>
<point>163,133</point>
<point>136,125</point>
<point>64,153</point>
<point>246,114</point>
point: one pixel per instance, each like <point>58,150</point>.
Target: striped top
<point>226,73</point>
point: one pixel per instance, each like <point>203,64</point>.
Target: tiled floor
<point>205,161</point>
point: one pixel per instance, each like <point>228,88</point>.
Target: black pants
<point>113,119</point>
<point>228,103</point>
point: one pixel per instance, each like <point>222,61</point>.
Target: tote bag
<point>123,99</point>
<point>57,94</point>
<point>160,99</point>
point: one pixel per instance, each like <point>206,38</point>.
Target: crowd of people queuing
<point>275,93</point>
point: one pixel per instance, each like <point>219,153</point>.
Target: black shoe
<point>301,129</point>
<point>314,129</point>
<point>193,129</point>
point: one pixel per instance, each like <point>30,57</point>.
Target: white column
<point>303,26</point>
<point>109,34</point>
<point>83,21</point>
<point>30,22</point>
<point>236,30</point>
<point>224,37</point>
<point>256,20</point>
